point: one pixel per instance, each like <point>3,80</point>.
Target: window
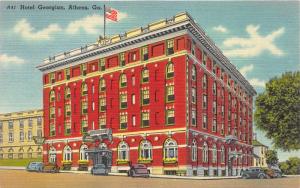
<point>83,69</point>
<point>204,121</point>
<point>102,123</point>
<point>214,153</point>
<point>145,75</point>
<point>215,88</point>
<point>67,153</point>
<point>84,126</point>
<point>102,102</point>
<point>122,59</point>
<point>21,123</point>
<point>67,93</point>
<point>133,120</point>
<point>1,138</point>
<point>214,107</point>
<point>123,121</point>
<point>67,110</point>
<point>52,77</point>
<point>204,102</point>
<point>52,96</point>
<point>123,151</point>
<point>145,119</point>
<point>21,136</point>
<point>102,85</point>
<point>102,64</point>
<point>170,93</point>
<point>145,53</point>
<point>193,73</point>
<point>123,101</point>
<point>123,80</point>
<point>194,150</point>
<point>222,154</point>
<point>170,70</point>
<point>52,129</point>
<point>170,47</point>
<point>84,107</point>
<point>214,126</point>
<point>204,82</point>
<point>145,150</point>
<point>10,124</point>
<point>10,137</point>
<point>204,58</point>
<point>194,97</point>
<point>222,129</point>
<point>1,125</point>
<point>52,155</point>
<point>84,89</point>
<point>194,117</point>
<point>83,153</point>
<point>29,135</point>
<point>170,118</point>
<point>68,74</point>
<point>145,97</point>
<point>52,112</point>
<point>170,149</point>
<point>67,128</point>
<point>205,153</point>
<point>133,99</point>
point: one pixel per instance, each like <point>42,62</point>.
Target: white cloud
<point>24,28</point>
<point>244,70</point>
<point>6,60</point>
<point>257,82</point>
<point>254,45</point>
<point>220,28</point>
<point>90,24</point>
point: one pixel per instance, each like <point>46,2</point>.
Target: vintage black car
<point>52,168</point>
<point>254,172</point>
<point>35,167</point>
<point>138,170</point>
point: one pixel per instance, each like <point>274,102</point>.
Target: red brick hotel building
<point>170,97</point>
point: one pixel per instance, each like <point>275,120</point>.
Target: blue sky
<point>260,38</point>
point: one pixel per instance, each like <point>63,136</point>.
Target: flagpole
<point>104,17</point>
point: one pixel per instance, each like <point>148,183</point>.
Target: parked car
<point>52,168</point>
<point>273,172</point>
<point>138,170</point>
<point>99,169</point>
<point>35,167</point>
<point>254,172</point>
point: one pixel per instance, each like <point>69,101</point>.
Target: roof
<point>257,143</point>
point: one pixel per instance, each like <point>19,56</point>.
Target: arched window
<point>123,151</point>
<point>222,154</point>
<point>52,155</point>
<point>83,153</point>
<point>214,153</point>
<point>204,81</point>
<point>102,85</point>
<point>170,70</point>
<point>215,88</point>
<point>145,150</point>
<point>39,152</point>
<point>67,153</point>
<point>84,89</point>
<point>194,150</point>
<point>67,93</point>
<point>123,80</point>
<point>52,96</point>
<point>205,153</point>
<point>11,153</point>
<point>170,149</point>
<point>194,74</point>
<point>145,75</point>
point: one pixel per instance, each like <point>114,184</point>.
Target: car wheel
<point>244,176</point>
<point>261,176</point>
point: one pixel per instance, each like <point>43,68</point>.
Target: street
<point>20,178</point>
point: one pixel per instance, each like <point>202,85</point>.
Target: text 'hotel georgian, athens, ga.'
<point>163,94</point>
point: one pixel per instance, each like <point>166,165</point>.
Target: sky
<point>260,38</point>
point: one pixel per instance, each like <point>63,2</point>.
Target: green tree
<point>271,157</point>
<point>278,111</point>
<point>291,166</point>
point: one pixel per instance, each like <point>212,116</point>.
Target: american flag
<point>111,14</point>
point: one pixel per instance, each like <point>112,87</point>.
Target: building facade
<point>172,100</point>
<point>17,132</point>
<point>259,154</point>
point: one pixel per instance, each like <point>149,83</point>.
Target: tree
<point>291,166</point>
<point>271,156</point>
<point>278,111</point>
